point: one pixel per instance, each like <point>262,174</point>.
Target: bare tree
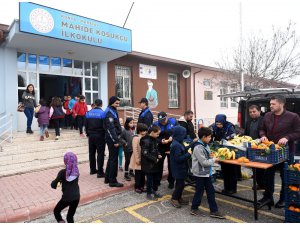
<point>273,60</point>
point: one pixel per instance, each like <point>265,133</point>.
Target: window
<point>208,95</point>
<point>55,64</point>
<point>207,83</point>
<point>32,62</point>
<point>78,70</point>
<point>21,60</point>
<point>224,90</point>
<point>95,69</point>
<point>123,84</point>
<point>233,89</point>
<point>173,90</point>
<point>87,68</point>
<point>67,66</point>
<point>44,63</point>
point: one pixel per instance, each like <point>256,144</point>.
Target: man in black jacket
<point>113,131</point>
<point>252,130</point>
<point>186,122</point>
<point>96,134</point>
<point>145,116</point>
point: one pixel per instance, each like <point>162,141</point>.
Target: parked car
<point>261,97</point>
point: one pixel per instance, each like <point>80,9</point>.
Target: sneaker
<point>197,212</point>
<point>47,134</point>
<point>183,202</point>
<point>93,172</point>
<point>57,137</point>
<point>82,135</point>
<point>127,178</point>
<point>106,181</point>
<point>131,174</point>
<point>157,195</point>
<point>139,191</point>
<point>41,138</point>
<point>151,198</point>
<point>175,203</point>
<point>217,215</point>
<point>100,175</point>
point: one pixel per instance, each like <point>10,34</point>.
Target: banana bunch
<point>239,140</point>
<point>225,153</point>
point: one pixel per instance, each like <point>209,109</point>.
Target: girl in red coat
<point>79,110</point>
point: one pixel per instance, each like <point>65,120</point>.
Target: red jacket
<point>288,127</point>
<point>80,109</point>
<point>66,107</point>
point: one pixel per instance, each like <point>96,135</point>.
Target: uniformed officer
<point>96,134</point>
<point>113,131</point>
<point>146,115</point>
<point>164,143</point>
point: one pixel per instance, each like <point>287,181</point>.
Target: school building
<point>62,53</point>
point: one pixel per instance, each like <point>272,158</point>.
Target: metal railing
<point>6,129</point>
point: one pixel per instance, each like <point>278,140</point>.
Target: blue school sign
<point>41,20</point>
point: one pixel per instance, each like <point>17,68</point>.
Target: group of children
<point>71,113</point>
<point>142,156</point>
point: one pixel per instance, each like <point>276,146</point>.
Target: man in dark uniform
<point>96,134</point>
<point>252,130</point>
<point>113,131</point>
<point>145,116</point>
<point>164,143</point>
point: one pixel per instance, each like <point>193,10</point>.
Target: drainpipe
<point>195,91</point>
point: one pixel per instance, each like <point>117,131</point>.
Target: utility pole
<point>241,50</point>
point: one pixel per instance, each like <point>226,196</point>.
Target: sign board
<point>148,72</point>
<point>49,22</point>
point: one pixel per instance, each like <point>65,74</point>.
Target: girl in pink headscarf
<point>68,177</point>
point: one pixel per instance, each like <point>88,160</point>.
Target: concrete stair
<point>27,153</point>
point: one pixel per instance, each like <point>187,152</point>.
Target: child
<point>135,160</point>
<point>179,168</point>
<point>68,177</point>
<point>79,111</point>
<point>127,135</point>
<point>42,113</point>
<point>150,159</point>
<point>202,170</point>
<point>57,114</point>
<point>68,116</point>
<point>120,149</point>
<point>71,105</point>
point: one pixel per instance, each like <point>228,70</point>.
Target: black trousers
<point>80,121</point>
<point>127,161</point>
<point>57,125</point>
<point>71,212</point>
<point>111,171</point>
<point>230,174</point>
<point>260,177</point>
<point>74,122</point>
<point>96,145</point>
<point>179,186</point>
<point>152,182</point>
<point>161,168</point>
<point>68,120</point>
<point>139,179</point>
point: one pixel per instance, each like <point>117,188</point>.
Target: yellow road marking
<point>143,204</point>
<point>97,221</point>
<point>227,217</point>
<point>243,207</point>
<point>138,216</point>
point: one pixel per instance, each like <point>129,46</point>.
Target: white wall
<point>208,109</point>
<point>2,82</point>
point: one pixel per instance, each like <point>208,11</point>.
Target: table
<point>254,166</point>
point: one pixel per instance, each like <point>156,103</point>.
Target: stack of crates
<point>292,195</point>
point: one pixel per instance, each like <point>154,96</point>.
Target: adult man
<point>145,116</point>
<point>164,142</point>
<point>113,131</point>
<point>186,122</point>
<point>252,130</point>
<point>222,129</point>
<point>282,127</point>
<point>96,134</point>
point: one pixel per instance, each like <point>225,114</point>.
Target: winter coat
<point>127,136</point>
<point>226,132</point>
<point>57,112</point>
<point>189,126</point>
<point>179,155</point>
<point>28,100</point>
<point>94,122</point>
<point>149,155</point>
<point>66,107</point>
<point>201,160</point>
<point>249,127</point>
<point>288,126</point>
<point>135,160</point>
<point>146,117</point>
<point>80,109</point>
<point>43,115</point>
<point>112,125</point>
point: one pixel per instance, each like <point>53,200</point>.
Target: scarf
<point>72,172</point>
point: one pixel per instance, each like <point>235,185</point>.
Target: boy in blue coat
<point>179,156</point>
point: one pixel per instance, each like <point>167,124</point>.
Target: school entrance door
<point>57,85</point>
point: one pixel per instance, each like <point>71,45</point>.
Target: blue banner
<point>41,20</point>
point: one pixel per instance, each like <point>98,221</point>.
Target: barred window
<point>233,89</point>
<point>224,90</point>
<point>123,85</point>
<point>173,90</point>
<point>208,95</point>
